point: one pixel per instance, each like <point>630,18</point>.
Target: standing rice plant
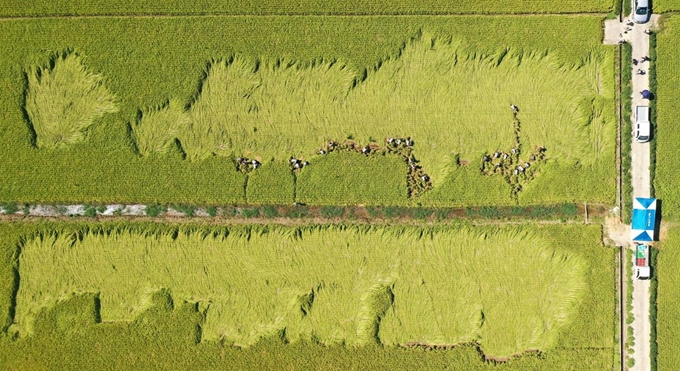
<point>668,311</point>
<point>63,101</point>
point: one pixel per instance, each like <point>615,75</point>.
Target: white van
<point>642,129</point>
<point>641,12</point>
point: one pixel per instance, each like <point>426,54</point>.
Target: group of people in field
<point>245,165</point>
<point>509,164</point>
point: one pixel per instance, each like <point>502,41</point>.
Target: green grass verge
<point>627,6</point>
<point>629,336</point>
<point>349,7</point>
<point>653,310</point>
<point>626,132</point>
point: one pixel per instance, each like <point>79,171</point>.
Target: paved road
<point>640,160</point>
<point>641,188</point>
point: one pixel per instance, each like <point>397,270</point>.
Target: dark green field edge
<point>9,8</point>
<point>652,105</point>
<point>626,133</point>
<point>653,310</point>
<point>167,336</point>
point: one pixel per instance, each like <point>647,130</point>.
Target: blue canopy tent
<point>644,219</point>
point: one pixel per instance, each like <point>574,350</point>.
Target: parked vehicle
<point>642,269</point>
<point>642,11</point>
<point>642,128</point>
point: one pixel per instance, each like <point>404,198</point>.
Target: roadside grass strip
<point>64,99</point>
<point>334,285</point>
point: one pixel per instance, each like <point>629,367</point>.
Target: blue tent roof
<point>644,237</point>
<point>644,219</point>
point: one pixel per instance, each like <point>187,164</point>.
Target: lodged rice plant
<point>453,102</point>
<point>156,130</point>
<point>63,100</point>
<point>507,289</point>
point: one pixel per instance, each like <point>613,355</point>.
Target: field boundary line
<point>293,15</point>
<point>222,220</point>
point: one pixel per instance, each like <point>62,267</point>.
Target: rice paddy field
<point>14,8</point>
<point>666,187</point>
<point>324,296</point>
<point>326,104</point>
<point>668,262</point>
<point>666,183</point>
<point>666,6</point>
<point>173,110</point>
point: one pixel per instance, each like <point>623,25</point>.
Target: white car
<point>642,11</point>
<point>642,130</point>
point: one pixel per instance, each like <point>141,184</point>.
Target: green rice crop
<point>352,178</point>
<point>666,6</point>
<point>334,284</point>
<point>149,62</point>
<point>666,181</point>
<point>667,325</point>
<point>282,108</point>
<point>163,339</point>
<point>67,337</point>
<point>273,184</point>
<point>349,7</point>
<point>64,100</point>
